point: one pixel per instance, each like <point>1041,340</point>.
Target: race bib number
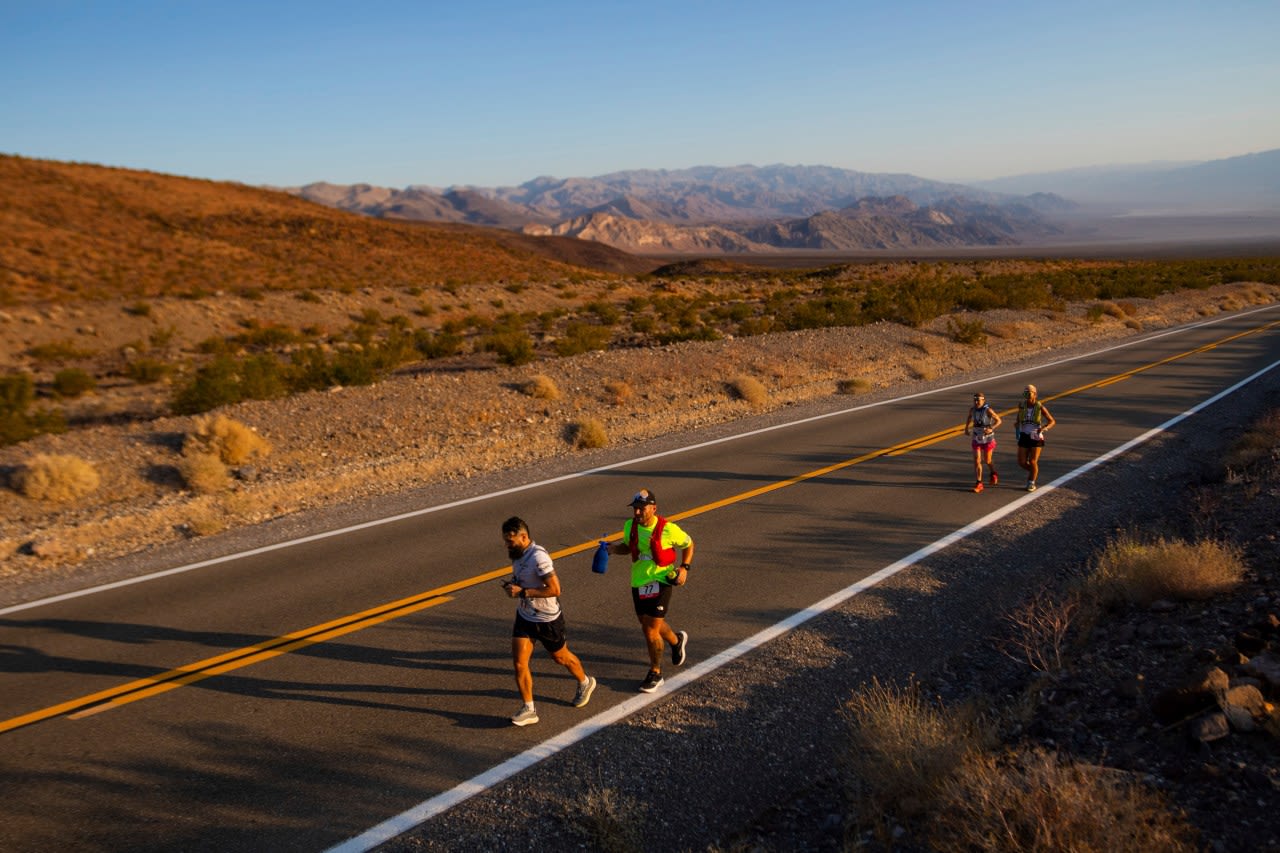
<point>649,590</point>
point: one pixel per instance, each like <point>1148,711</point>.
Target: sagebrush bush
<point>57,477</point>
<point>146,371</point>
<point>749,389</point>
<point>583,337</point>
<point>1140,571</point>
<point>512,348</point>
<point>17,423</point>
<point>73,382</point>
<point>229,440</point>
<point>1035,801</point>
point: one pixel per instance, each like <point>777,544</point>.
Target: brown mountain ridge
<point>96,231</point>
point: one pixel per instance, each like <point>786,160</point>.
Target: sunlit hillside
<point>69,229</point>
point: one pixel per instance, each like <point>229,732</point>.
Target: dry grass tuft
<point>614,823</point>
<point>203,471</point>
<point>928,346</point>
<point>589,433</point>
<point>58,478</point>
<point>857,385</point>
<point>749,389</point>
<point>922,370</point>
<point>618,391</point>
<point>1261,441</point>
<point>1032,800</point>
<point>205,518</point>
<point>542,387</point>
<point>902,750</point>
<point>229,440</point>
<point>1130,569</point>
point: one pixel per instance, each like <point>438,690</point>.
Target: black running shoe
<point>651,682</point>
<point>678,649</point>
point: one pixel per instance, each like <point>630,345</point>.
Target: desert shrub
<point>749,389</point>
<point>203,471</point>
<point>73,382</point>
<point>1131,569</point>
<point>607,314</point>
<point>856,385</point>
<point>542,387</point>
<point>1039,629</point>
<point>147,371</point>
<point>583,337</point>
<point>755,326</point>
<point>972,332</point>
<point>17,422</point>
<point>57,478</point>
<point>589,433</point>
<point>1034,800</point>
<point>437,344</point>
<point>229,440</point>
<point>17,391</point>
<point>228,380</point>
<point>57,351</point>
<point>902,750</point>
<point>512,347</point>
<point>618,391</point>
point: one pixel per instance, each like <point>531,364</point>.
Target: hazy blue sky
<point>495,93</point>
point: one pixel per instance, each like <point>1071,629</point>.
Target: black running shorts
<point>652,600</point>
<point>550,634</point>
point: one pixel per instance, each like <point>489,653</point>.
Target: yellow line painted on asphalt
<point>143,688</point>
<point>224,663</point>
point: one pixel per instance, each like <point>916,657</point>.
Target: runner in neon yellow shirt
<point>660,554</point>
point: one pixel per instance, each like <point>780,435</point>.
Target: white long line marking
<point>440,803</point>
<point>316,537</point>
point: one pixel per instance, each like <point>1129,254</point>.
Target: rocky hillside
<point>84,231</point>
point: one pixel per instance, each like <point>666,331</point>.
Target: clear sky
<point>493,93</point>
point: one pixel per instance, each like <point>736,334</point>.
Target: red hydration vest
<point>661,556</point>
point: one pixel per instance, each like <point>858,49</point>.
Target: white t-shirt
<point>529,569</point>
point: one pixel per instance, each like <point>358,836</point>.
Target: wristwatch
<point>684,566</point>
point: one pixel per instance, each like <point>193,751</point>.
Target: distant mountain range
<point>816,208</point>
<point>1250,182</point>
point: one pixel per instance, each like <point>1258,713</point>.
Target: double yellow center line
<point>143,688</point>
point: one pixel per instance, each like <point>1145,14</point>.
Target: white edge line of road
<point>440,803</point>
<point>576,474</point>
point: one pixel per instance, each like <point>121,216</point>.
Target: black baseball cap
<point>642,497</point>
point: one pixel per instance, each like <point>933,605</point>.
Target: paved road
<point>291,698</point>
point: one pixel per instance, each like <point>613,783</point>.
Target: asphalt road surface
<point>293,697</point>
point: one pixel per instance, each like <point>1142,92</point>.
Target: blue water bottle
<point>600,562</point>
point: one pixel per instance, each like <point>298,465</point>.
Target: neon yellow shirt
<point>645,570</point>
